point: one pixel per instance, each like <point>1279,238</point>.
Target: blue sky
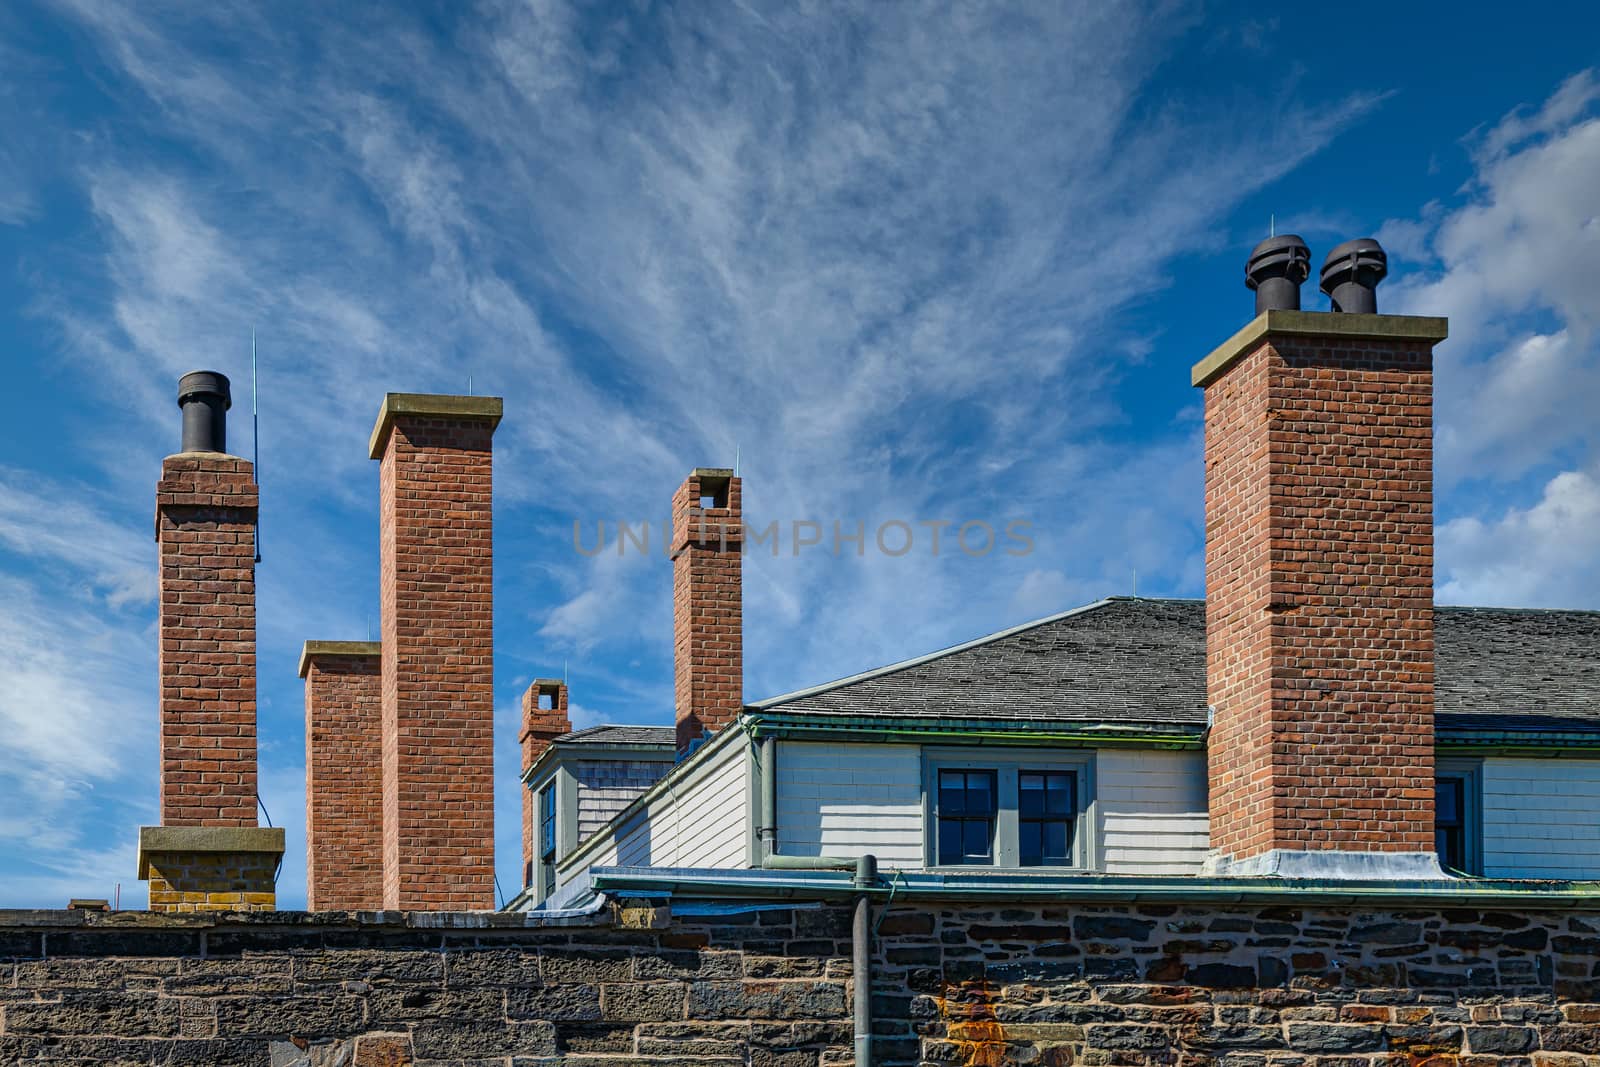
<point>913,261</point>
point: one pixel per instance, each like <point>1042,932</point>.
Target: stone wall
<point>1092,984</point>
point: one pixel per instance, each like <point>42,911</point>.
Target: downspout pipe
<point>769,798</point>
<point>865,880</point>
<point>810,863</point>
<point>861,957</point>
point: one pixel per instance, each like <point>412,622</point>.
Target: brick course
<point>707,604</point>
<point>1319,577</point>
<point>205,527</point>
<point>344,776</point>
<point>211,881</point>
<point>436,577</point>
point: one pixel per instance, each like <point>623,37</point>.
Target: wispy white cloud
<point>880,254</point>
<point>74,719</point>
<point>1545,555</point>
<point>1519,379</point>
<point>66,526</point>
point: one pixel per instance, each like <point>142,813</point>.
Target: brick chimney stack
<point>707,604</point>
<point>544,718</point>
<point>1319,594</point>
<point>344,775</point>
<point>208,853</point>
<point>436,558</point>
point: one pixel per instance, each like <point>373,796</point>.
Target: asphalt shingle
<point>1128,660</point>
<point>620,735</point>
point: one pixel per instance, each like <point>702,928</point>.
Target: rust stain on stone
<point>967,1008</point>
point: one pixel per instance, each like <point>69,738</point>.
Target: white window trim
<point>1007,763</point>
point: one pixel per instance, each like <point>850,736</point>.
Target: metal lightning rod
<point>255,434</point>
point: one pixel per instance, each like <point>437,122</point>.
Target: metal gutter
<point>1113,734</point>
<point>1552,743</point>
<point>918,730</point>
<point>772,885</point>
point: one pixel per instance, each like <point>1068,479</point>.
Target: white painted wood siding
<point>850,800</point>
<point>699,822</point>
<point>1152,811</point>
<point>1540,818</point>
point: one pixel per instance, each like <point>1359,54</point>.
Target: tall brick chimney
<point>208,853</point>
<point>707,604</point>
<point>344,775</point>
<point>544,718</point>
<point>1319,595</point>
<point>436,559</point>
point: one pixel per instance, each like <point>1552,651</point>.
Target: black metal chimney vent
<point>1275,269</point>
<point>204,400</point>
<point>1351,274</point>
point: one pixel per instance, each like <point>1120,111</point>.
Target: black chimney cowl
<point>1351,273</point>
<point>1275,269</point>
<point>204,400</point>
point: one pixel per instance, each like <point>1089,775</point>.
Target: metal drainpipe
<point>861,958</point>
<point>769,796</point>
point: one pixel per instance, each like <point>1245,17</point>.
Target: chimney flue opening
<point>1275,269</point>
<point>1351,273</point>
<point>204,399</point>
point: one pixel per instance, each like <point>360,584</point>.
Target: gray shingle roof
<point>1133,660</point>
<point>621,735</point>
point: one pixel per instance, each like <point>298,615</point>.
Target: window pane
<point>975,843</point>
<point>1059,799</point>
<point>1030,844</point>
<point>952,793</point>
<point>1451,846</point>
<point>949,841</point>
<point>1030,795</point>
<point>1056,850</point>
<point>1447,794</point>
<point>980,793</point>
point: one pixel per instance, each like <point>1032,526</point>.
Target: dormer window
<point>986,809</point>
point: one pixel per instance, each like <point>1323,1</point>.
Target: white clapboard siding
<point>1152,809</point>
<point>696,822</point>
<point>850,800</point>
<point>1539,818</point>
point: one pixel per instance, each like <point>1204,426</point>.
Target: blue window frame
<point>1457,820</point>
<point>1047,815</point>
<point>547,840</point>
<point>1009,808</point>
<point>967,811</point>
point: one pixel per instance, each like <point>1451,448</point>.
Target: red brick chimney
<point>436,559</point>
<point>344,775</point>
<point>207,853</point>
<point>544,718</point>
<point>1319,594</point>
<point>707,604</point>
